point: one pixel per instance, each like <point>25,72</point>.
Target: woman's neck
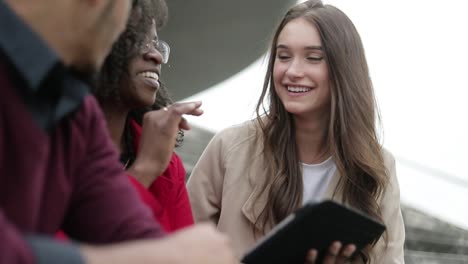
<point>115,119</point>
<point>311,139</point>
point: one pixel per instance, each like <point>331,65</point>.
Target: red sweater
<point>167,195</point>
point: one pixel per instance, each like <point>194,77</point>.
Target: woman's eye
<point>283,56</point>
<point>314,59</point>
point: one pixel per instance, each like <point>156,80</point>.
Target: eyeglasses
<point>159,45</point>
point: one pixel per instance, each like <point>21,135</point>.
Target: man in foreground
<point>58,167</point>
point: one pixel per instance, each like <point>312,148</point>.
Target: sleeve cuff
<point>51,251</point>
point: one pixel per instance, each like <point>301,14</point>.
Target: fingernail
<point>336,248</point>
<point>312,255</point>
<point>349,250</point>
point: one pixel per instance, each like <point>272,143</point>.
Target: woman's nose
<point>295,69</point>
<point>154,55</point>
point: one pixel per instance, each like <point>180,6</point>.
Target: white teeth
<point>298,89</point>
<point>149,74</point>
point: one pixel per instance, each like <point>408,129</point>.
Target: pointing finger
<point>186,108</point>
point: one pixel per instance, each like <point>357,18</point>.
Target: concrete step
<point>422,257</point>
<point>429,234</point>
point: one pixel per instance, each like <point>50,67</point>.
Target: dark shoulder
<point>87,128</point>
<point>88,114</point>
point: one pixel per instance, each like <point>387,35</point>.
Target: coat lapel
<point>257,200</point>
<point>254,204</point>
<point>332,193</point>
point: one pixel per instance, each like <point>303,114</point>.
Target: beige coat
<point>223,187</point>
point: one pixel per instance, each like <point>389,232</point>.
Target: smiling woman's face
<point>300,70</point>
<point>139,87</point>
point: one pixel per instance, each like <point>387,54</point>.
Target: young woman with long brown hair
<point>314,138</point>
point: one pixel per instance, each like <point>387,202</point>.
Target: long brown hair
<point>352,138</point>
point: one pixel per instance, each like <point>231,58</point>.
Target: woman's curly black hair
<point>115,67</point>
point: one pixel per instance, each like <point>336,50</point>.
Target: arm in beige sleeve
<point>393,252</point>
<point>205,185</point>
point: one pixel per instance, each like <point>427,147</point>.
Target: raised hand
<point>159,134</point>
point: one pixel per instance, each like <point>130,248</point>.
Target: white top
<point>316,178</point>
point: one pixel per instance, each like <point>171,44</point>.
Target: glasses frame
<point>160,46</point>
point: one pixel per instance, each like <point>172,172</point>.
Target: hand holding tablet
<point>314,226</point>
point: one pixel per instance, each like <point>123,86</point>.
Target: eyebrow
<point>282,46</point>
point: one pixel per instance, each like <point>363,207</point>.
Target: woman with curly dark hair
<point>143,123</point>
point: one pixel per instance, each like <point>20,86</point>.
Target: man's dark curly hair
<point>116,65</point>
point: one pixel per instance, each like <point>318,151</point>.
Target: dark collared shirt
<point>48,89</point>
<point>58,167</point>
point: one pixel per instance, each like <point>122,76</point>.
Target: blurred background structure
<point>417,55</point>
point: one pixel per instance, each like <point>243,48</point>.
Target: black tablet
<point>315,225</point>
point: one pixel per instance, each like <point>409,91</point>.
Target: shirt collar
<point>25,49</point>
